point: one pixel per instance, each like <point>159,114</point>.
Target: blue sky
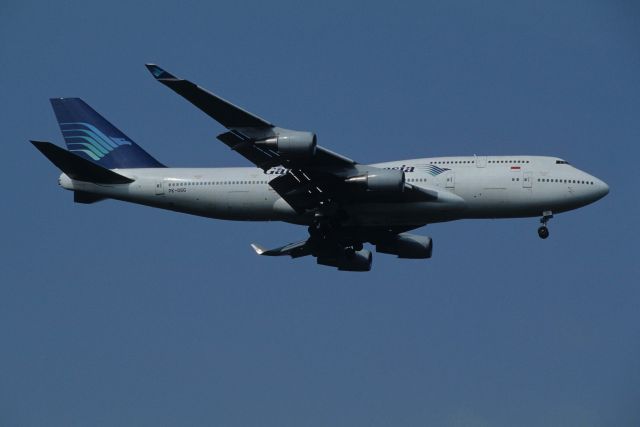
<point>115,314</point>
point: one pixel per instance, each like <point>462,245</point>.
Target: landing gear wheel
<point>349,252</point>
<point>543,232</point>
<point>320,229</point>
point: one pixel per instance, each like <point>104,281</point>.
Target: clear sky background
<point>116,314</point>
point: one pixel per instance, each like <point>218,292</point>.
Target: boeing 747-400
<point>343,204</point>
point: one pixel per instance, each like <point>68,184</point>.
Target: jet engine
<point>407,246</point>
<point>292,144</point>
<point>384,180</point>
<point>358,261</point>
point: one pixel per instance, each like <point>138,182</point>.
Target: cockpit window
<point>561,162</point>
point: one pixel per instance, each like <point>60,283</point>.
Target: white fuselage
<point>468,187</point>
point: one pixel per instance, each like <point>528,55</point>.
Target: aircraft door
<point>159,188</point>
<point>481,161</point>
<point>451,180</point>
<point>527,179</point>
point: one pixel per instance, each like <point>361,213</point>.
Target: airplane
<point>344,204</point>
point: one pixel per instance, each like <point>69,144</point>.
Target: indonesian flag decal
<point>515,168</point>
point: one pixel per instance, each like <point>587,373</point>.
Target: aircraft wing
<point>245,128</point>
<point>294,250</point>
<point>306,181</point>
<point>224,112</point>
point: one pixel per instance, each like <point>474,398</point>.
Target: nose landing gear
<point>543,231</point>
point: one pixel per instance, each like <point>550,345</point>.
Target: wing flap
<point>261,157</point>
<point>300,192</point>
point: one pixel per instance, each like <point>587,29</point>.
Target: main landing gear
<point>543,231</point>
<point>329,233</point>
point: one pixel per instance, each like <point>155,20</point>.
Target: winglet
<point>159,73</point>
<point>259,249</point>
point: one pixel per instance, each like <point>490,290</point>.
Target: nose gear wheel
<point>543,231</point>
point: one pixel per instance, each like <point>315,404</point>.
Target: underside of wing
<point>294,250</point>
<point>260,141</point>
<point>224,112</point>
<point>342,248</point>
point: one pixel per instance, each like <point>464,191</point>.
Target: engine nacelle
<point>384,180</point>
<point>359,261</point>
<point>292,144</point>
<point>407,246</point>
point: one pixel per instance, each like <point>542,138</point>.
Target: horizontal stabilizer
<point>224,112</point>
<point>78,168</point>
<point>86,198</point>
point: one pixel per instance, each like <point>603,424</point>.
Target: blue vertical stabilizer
<point>92,137</point>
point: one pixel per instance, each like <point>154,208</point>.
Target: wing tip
<point>258,249</point>
<point>159,73</point>
<point>40,145</point>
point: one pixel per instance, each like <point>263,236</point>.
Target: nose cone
<point>600,189</point>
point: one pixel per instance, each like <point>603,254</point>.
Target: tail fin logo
<point>86,138</point>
